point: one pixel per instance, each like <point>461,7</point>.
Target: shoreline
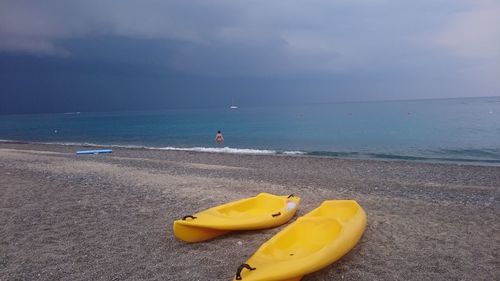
<point>271,152</point>
<point>109,216</point>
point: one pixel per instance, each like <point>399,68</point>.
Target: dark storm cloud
<point>318,50</point>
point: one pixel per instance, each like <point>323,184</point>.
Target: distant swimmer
<point>219,138</point>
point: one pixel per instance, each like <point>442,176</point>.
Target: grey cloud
<point>266,38</point>
<point>317,30</point>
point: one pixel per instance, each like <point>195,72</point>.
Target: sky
<point>107,55</point>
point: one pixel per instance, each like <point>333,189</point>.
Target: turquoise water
<point>461,130</point>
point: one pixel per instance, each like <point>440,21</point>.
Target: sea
<point>462,130</point>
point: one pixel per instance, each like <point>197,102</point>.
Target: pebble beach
<point>109,216</point>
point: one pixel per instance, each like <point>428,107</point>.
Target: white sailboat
<point>232,105</point>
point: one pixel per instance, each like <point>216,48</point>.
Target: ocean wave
<point>486,156</point>
<point>451,158</point>
<point>294,153</point>
<point>220,150</point>
<point>471,152</point>
<point>172,148</point>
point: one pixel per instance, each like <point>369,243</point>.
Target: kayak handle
<point>291,195</point>
<point>277,214</point>
<point>189,216</point>
<point>240,268</point>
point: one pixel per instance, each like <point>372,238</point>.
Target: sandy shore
<point>109,217</point>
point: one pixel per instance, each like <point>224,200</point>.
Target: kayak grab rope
<point>291,195</point>
<point>240,268</point>
<point>277,214</point>
<point>189,216</point>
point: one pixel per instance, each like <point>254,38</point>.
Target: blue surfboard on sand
<point>95,151</point>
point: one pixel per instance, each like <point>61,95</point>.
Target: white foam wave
<point>294,152</point>
<point>196,149</point>
<point>221,150</point>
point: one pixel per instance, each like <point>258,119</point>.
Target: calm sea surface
<point>458,130</point>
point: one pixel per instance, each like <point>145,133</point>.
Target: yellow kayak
<point>262,211</point>
<point>312,242</point>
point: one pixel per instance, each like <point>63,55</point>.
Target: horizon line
<point>253,106</point>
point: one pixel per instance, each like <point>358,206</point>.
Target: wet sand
<point>109,216</point>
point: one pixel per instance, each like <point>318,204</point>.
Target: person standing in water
<point>219,138</point>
